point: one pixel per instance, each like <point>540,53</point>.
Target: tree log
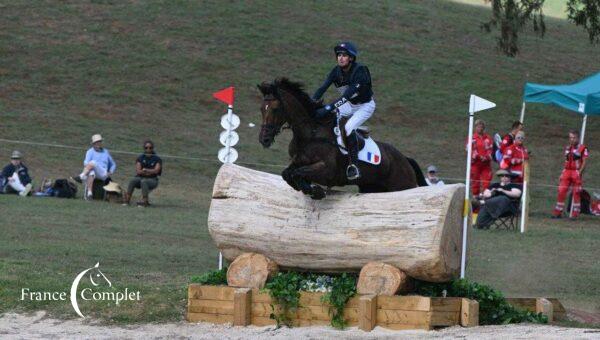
<point>379,278</point>
<point>250,270</point>
<point>418,231</point>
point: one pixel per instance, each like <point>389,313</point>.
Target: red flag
<point>225,95</point>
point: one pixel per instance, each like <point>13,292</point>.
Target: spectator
<point>576,155</point>
<point>431,177</point>
<point>514,158</point>
<point>98,164</point>
<point>148,167</point>
<point>15,176</point>
<point>481,158</point>
<point>509,138</point>
<point>500,198</point>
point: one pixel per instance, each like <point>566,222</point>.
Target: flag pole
<point>467,207</point>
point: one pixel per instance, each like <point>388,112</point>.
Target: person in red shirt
<point>481,159</point>
<point>576,155</point>
<point>509,138</point>
<point>515,156</point>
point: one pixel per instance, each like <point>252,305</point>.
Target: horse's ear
<point>264,88</point>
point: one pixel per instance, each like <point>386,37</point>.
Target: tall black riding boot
<point>352,171</point>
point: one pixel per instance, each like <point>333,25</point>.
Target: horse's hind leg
<point>287,177</point>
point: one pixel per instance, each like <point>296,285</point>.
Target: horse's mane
<point>296,89</point>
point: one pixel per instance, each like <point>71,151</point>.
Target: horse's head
<point>96,276</point>
<point>273,115</point>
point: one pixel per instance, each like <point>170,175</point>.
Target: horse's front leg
<point>304,175</point>
<point>287,176</point>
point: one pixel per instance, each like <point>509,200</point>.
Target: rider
<point>353,81</point>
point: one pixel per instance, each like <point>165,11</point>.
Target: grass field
<point>133,70</point>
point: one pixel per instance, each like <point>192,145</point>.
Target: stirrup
<point>351,176</point>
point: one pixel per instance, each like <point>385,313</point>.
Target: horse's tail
<point>418,172</point>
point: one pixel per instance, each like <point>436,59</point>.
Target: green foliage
<point>213,277</point>
<point>343,288</point>
<point>284,290</point>
<point>512,16</point>
<point>493,308</point>
<point>586,13</point>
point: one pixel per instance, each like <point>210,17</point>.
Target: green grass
<point>133,70</point>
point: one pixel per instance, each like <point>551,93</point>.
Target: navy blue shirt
<point>150,163</point>
<point>355,84</point>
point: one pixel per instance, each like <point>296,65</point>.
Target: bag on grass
<point>64,189</point>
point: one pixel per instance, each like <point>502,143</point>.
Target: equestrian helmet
<point>347,47</point>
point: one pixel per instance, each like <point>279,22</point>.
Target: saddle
<point>368,150</point>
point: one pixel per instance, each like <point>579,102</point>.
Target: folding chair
<point>508,221</point>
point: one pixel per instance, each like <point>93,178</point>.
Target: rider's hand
<point>322,112</point>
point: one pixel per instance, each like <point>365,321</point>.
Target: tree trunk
<point>378,278</point>
<point>417,230</point>
<point>250,270</point>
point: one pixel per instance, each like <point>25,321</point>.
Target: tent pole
<point>522,113</point>
<point>467,208</point>
<point>581,139</point>
<point>582,135</point>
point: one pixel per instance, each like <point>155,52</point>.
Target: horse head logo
<point>95,276</point>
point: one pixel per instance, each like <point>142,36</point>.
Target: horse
<point>316,160</point>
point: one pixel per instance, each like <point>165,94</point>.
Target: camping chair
<point>508,220</point>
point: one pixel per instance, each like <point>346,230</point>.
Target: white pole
<point>581,139</point>
<point>523,203</point>
<point>582,135</point>
<point>228,144</point>
<point>220,260</point>
<point>522,113</point>
<point>466,208</point>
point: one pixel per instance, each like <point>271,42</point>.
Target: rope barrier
<point>460,180</point>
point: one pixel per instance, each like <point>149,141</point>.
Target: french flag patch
<point>372,157</point>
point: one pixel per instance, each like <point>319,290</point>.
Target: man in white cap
<point>15,176</point>
<point>98,163</point>
<point>432,178</point>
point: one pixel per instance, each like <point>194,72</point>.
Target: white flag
<point>479,104</point>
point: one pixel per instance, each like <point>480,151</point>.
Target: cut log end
<point>251,270</point>
<point>379,278</point>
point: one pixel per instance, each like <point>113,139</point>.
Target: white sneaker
<point>88,196</point>
<point>26,191</point>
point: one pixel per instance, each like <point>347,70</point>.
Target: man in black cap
<point>498,199</point>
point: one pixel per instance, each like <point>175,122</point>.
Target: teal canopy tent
<point>582,97</point>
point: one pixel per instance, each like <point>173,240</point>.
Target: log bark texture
<point>418,231</point>
<point>379,278</point>
<point>250,270</point>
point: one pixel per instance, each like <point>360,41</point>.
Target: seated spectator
<point>98,163</point>
<point>498,199</point>
<point>148,167</point>
<point>431,177</point>
<point>15,177</point>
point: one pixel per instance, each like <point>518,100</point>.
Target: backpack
<point>64,189</point>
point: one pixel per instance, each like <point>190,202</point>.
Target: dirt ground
<point>39,326</point>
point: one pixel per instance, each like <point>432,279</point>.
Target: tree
<point>586,13</point>
<point>512,16</point>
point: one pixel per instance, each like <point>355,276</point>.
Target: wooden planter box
<point>242,307</point>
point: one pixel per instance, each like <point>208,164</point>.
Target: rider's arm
<point>321,90</point>
<point>359,79</point>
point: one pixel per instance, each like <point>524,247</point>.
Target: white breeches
<point>358,114</point>
<point>15,182</point>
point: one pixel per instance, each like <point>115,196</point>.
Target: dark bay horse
<point>315,157</point>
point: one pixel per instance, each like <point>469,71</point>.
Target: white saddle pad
<point>370,153</point>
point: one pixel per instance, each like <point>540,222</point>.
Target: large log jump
<point>417,230</point>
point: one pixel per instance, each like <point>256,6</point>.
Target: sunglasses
<point>504,175</point>
<point>520,138</point>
